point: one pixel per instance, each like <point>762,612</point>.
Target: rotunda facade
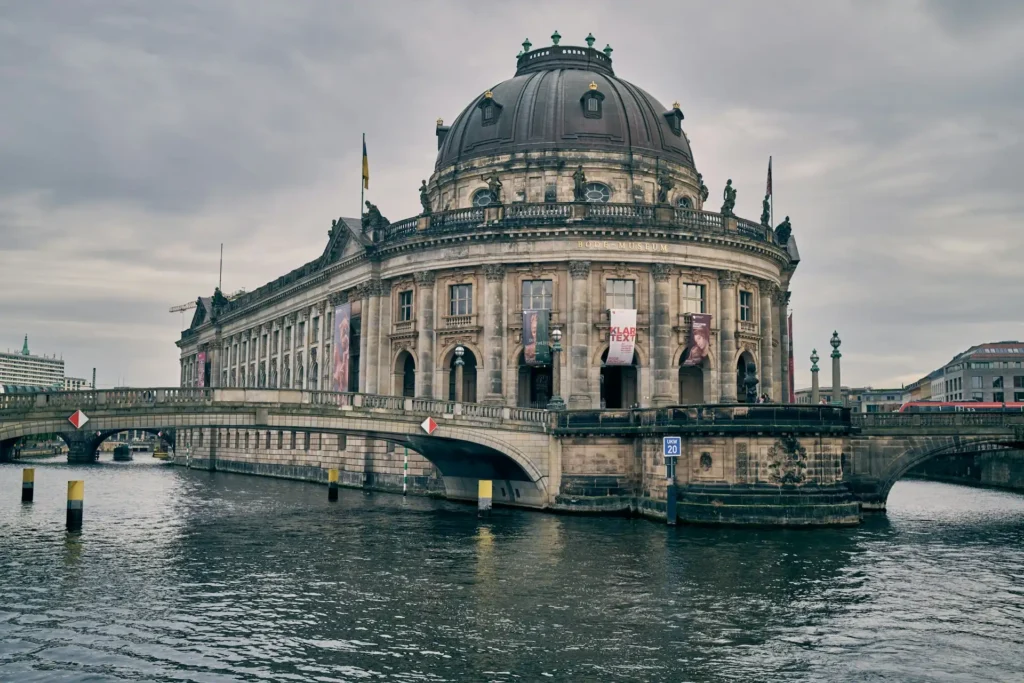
<point>564,221</point>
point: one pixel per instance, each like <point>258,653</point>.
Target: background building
<point>76,384</point>
<point>987,372</point>
<point>24,369</point>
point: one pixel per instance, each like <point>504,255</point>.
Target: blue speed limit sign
<point>672,446</point>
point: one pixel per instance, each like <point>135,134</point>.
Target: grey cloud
<point>136,137</point>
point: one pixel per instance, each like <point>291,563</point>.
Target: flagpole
<point>362,182</point>
<point>771,205</point>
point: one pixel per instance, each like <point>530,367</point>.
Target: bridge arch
<point>923,449</point>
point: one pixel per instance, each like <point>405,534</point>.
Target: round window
<point>596,192</point>
<point>482,198</point>
<point>685,203</point>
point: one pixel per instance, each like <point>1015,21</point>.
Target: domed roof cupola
<point>565,98</point>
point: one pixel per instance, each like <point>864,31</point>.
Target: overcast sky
<point>135,137</point>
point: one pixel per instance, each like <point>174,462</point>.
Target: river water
<point>194,576</point>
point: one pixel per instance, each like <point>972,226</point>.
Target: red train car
<point>960,407</point>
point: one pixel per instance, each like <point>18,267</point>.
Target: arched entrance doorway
<point>619,383</point>
<point>468,377</point>
<point>404,375</point>
<point>745,367</point>
<point>691,381</point>
<point>535,384</point>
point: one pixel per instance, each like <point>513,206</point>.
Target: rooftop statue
<point>766,212</point>
<point>494,186</point>
<point>783,231</point>
<point>750,383</point>
<point>704,191</point>
<point>729,195</point>
<point>664,185</point>
<point>372,219</point>
<point>424,198</point>
<point>579,186</point>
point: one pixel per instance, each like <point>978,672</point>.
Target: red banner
<point>700,339</point>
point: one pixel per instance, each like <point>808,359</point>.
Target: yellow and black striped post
<point>28,484</point>
<point>483,497</point>
<point>76,499</point>
<point>332,485</point>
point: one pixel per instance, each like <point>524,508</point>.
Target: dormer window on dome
<point>592,102</point>
<point>674,116</point>
<point>489,109</point>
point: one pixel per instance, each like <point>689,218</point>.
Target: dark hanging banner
<point>700,339</point>
<point>536,349</point>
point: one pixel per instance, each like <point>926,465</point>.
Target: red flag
<point>768,189</point>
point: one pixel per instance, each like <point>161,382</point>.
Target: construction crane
<point>181,309</point>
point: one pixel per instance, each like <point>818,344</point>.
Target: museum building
<point>564,190</point>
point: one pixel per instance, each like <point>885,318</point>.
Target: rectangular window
<point>301,337</point>
<point>461,299</point>
<point>693,299</point>
<point>245,350</point>
<point>998,396</point>
<point>316,330</point>
<point>976,382</point>
<point>268,441</point>
<point>342,442</point>
<point>1018,382</point>
<point>537,295</point>
<point>592,104</point>
<point>620,294</point>
<point>277,339</point>
<point>977,396</point>
<point>488,113</point>
<point>263,345</point>
<point>292,446</point>
<point>997,382</point>
<point>746,307</point>
<point>1018,397</point>
<point>280,440</point>
<point>287,338</point>
<point>405,306</point>
<point>305,441</point>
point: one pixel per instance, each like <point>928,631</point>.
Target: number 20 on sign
<point>672,446</point>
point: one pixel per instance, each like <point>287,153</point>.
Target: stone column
<point>815,391</point>
<point>425,339</point>
<point>765,289</point>
<point>727,324</point>
<point>383,334</point>
<point>362,293</point>
<point>494,332</point>
<point>370,332</point>
<point>661,328</point>
<point>782,319</point>
<point>579,336</point>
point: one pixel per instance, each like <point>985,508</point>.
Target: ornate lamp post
<point>460,351</point>
<point>556,402</point>
<point>815,393</point>
<point>837,390</point>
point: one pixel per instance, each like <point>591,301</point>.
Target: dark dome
<point>544,108</point>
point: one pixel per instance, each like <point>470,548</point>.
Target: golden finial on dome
<point>489,94</point>
<point>440,122</point>
<point>675,105</point>
<point>593,85</point>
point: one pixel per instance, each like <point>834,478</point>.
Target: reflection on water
<point>184,575</point>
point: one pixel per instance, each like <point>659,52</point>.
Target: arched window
<point>483,197</point>
<point>685,202</point>
<point>597,192</point>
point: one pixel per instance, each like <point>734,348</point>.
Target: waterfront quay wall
<point>361,462</point>
<point>1002,469</point>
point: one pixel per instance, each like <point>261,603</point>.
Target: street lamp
<point>815,394</point>
<point>556,402</point>
<point>460,351</point>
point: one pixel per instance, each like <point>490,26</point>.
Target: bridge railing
<point>706,416</point>
<point>883,420</point>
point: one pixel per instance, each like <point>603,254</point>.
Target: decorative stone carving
<point>779,296</point>
<point>425,198</point>
<point>372,219</point>
<point>783,232</point>
<point>766,211</point>
<point>704,191</point>
<point>729,197</point>
<point>425,278</point>
<point>665,184</point>
<point>579,270</point>
<point>579,185</point>
<point>787,461</point>
<point>661,271</point>
<point>727,278</point>
<point>384,287</point>
<point>494,187</point>
<point>336,298</point>
<point>495,272</point>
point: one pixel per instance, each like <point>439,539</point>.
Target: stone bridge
<point>739,463</point>
<point>471,442</point>
<point>885,446</point>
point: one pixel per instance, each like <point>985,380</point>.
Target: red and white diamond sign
<point>78,418</point>
<point>428,425</point>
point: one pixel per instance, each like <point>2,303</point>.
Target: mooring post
<point>670,492</point>
<point>483,497</point>
<point>76,501</point>
<point>28,484</point>
<point>332,485</point>
<point>405,472</point>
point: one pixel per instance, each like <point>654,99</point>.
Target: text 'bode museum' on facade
<point>568,247</point>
